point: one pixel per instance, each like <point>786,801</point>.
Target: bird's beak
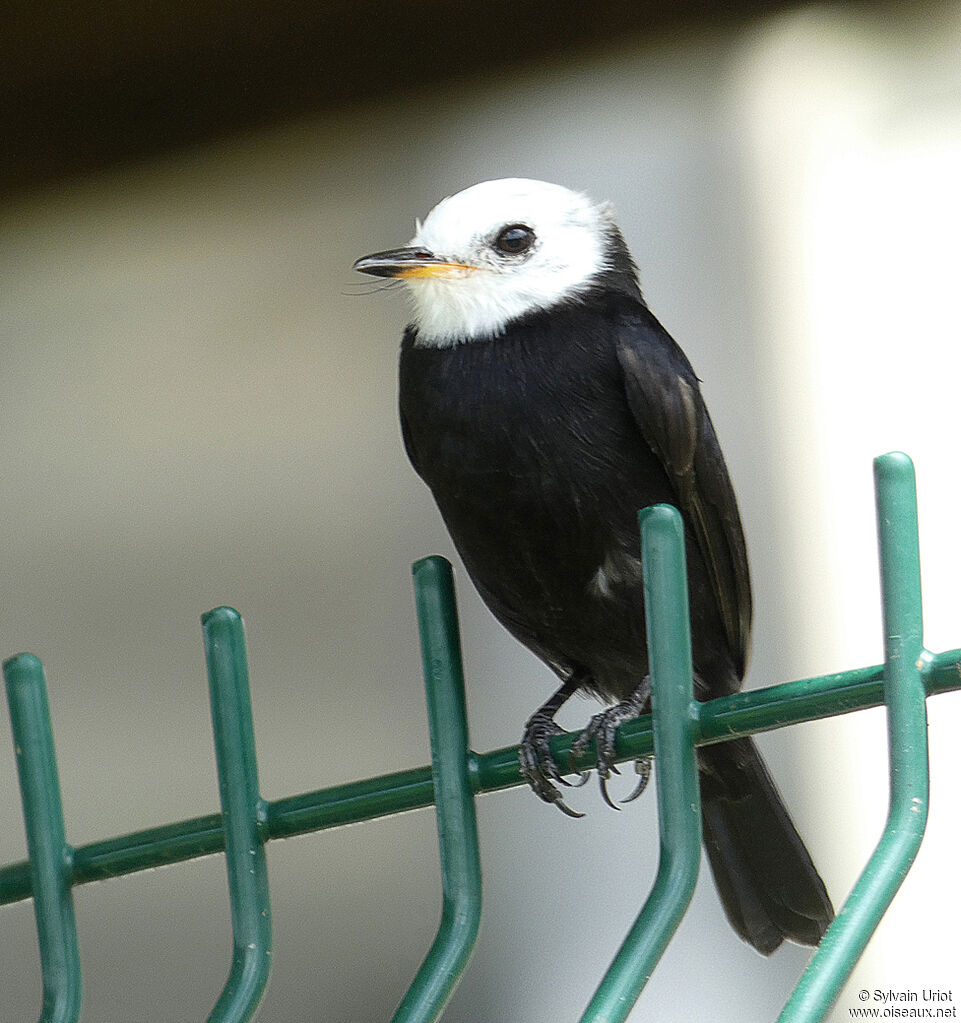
<point>410,263</point>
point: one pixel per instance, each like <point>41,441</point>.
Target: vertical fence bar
<point>441,970</point>
<point>904,694</point>
<point>678,790</point>
<point>242,808</point>
<point>46,839</point>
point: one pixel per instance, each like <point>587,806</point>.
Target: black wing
<point>665,400</point>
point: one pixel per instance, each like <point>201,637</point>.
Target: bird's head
<point>498,251</point>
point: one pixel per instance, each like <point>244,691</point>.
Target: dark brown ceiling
<point>88,84</point>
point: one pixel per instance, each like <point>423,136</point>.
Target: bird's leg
<point>538,765</point>
<point>602,731</point>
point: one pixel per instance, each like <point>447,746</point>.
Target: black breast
<point>538,468</point>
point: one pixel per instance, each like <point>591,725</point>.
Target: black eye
<point>514,239</point>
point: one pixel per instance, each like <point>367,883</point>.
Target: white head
<point>497,251</point>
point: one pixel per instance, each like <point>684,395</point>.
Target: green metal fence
<point>457,775</point>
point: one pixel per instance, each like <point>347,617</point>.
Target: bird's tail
<point>768,884</point>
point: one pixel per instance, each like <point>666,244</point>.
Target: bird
<point>543,404</point>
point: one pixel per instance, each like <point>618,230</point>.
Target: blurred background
<point>197,406</point>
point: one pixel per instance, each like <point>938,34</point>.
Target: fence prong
<point>456,819</point>
<point>678,788</point>
<point>47,847</point>
<point>904,694</point>
<point>242,807</point>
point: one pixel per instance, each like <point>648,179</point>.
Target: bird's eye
<point>514,239</point>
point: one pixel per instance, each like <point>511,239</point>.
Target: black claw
<point>643,769</point>
<point>540,769</point>
<point>575,751</point>
<point>546,791</point>
<point>564,808</point>
<point>602,731</point>
<point>550,768</point>
<point>605,795</point>
<point>538,766</point>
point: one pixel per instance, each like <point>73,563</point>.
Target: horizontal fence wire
<point>728,717</point>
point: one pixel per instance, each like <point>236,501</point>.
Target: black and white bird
<point>543,404</point>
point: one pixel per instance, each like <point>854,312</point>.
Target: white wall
<point>197,407</point>
<point>853,140</point>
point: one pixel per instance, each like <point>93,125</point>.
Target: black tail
<point>768,885</point>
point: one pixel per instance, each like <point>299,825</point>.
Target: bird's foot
<point>538,766</point>
<point>602,731</point>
